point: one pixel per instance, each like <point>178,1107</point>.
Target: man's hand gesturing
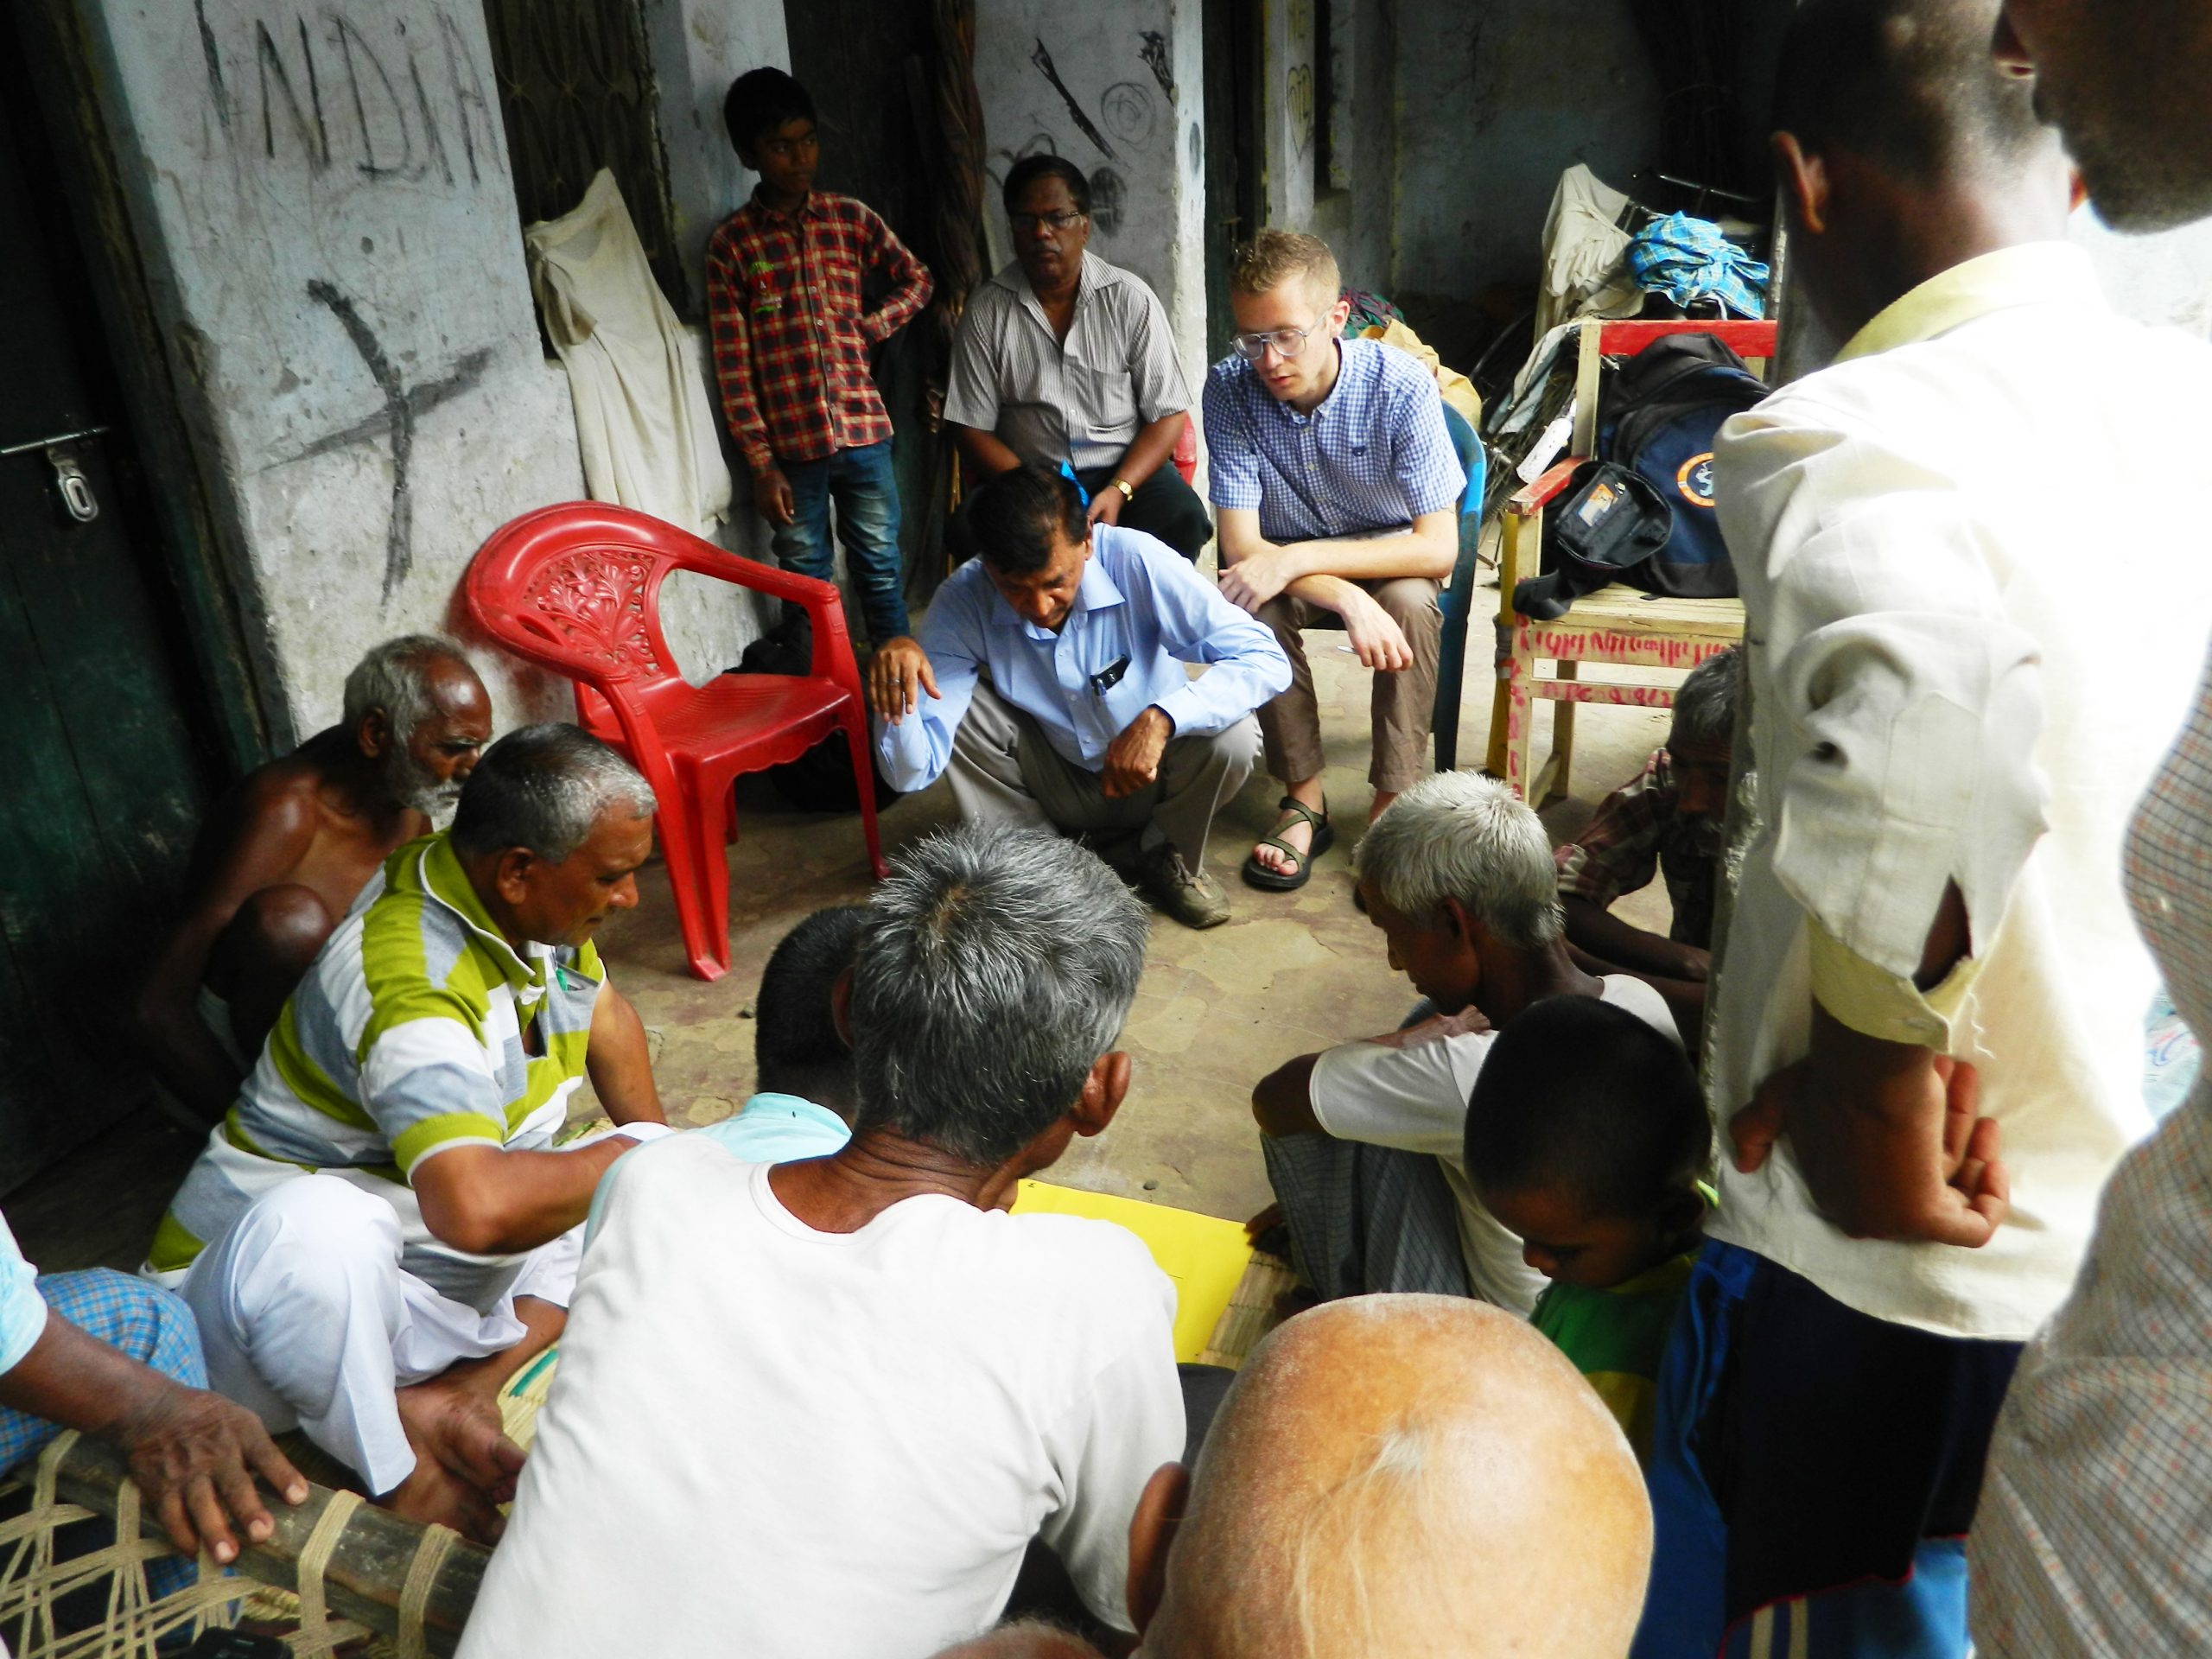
<point>898,677</point>
<point>1132,759</point>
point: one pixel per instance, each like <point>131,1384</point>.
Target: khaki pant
<point>1005,770</point>
<point>1399,707</point>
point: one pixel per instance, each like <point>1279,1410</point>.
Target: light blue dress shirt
<point>769,1128</point>
<point>1374,455</point>
<point>1140,602</point>
<point>22,1310</point>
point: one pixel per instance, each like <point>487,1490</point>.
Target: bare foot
<point>465,1464</point>
<point>433,1495</point>
<point>1270,1217</point>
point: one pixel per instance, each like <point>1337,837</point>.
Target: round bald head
<point>1409,1474</point>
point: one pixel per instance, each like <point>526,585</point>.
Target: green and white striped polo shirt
<point>417,1028</point>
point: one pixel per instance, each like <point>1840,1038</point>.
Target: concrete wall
<point>698,47</point>
<point>324,204</point>
<point>1117,91</point>
<point>1493,102</point>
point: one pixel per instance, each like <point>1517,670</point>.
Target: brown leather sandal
<point>1257,875</point>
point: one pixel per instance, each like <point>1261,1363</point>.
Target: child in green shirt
<point>1587,1136</point>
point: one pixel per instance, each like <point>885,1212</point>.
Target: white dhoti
<point>308,1318</point>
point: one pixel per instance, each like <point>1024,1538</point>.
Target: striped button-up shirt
<point>1082,399</point>
<point>791,338</point>
<point>418,1028</point>
<point>1374,455</point>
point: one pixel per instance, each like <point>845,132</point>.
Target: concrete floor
<point>1292,973</point>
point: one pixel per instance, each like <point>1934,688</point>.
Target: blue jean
<point>861,484</point>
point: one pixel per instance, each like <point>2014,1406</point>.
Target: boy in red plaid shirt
<point>791,340</point>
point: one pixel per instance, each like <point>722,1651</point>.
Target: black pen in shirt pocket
<point>1108,677</point>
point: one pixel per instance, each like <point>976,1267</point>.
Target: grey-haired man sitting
<point>379,1233</point>
<point>1364,1142</point>
<point>819,1410</point>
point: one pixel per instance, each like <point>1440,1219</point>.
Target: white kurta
<point>1975,621</point>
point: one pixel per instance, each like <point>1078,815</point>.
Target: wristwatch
<point>1129,490</point>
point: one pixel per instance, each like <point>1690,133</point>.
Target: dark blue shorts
<point>1802,1447</point>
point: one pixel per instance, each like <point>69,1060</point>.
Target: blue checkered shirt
<point>1375,455</point>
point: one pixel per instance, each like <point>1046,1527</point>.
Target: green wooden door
<point>101,777</point>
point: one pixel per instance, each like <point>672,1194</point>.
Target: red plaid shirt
<point>1635,834</point>
<point>791,340</point>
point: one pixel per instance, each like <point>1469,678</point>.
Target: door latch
<point>61,453</point>
<point>69,478</point>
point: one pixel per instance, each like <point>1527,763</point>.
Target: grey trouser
<point>1365,1219</point>
<point>1005,770</point>
<point>1400,706</point>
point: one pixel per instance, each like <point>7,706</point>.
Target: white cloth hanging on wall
<point>644,421</point>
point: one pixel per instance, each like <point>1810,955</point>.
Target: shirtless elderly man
<point>1389,1475</point>
<point>284,856</point>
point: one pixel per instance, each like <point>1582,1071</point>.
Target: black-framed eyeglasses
<point>1287,342</point>
<point>1065,221</point>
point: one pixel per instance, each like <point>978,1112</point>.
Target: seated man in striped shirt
<point>379,1233</point>
<point>1336,488</point>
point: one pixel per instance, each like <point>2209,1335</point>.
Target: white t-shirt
<point>786,1444</point>
<point>1416,1098</point>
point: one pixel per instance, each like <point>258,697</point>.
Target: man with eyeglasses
<point>1337,488</point>
<point>1065,360</point>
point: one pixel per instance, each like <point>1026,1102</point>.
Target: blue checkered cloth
<point>1688,259</point>
<point>144,1321</point>
<point>148,1324</point>
<point>1374,456</point>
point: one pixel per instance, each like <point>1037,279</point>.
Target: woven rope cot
<point>337,1574</point>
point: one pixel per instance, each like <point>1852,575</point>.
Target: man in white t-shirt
<point>1363,1143</point>
<point>820,1409</point>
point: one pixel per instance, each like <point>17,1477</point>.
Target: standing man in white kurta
<point>379,1233</point>
<point>1949,746</point>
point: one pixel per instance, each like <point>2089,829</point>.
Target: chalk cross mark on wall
<point>1043,60</point>
<point>402,405</point>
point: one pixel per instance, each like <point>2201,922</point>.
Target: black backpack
<point>1656,424</point>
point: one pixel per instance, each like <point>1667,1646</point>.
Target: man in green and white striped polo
<point>379,1232</point>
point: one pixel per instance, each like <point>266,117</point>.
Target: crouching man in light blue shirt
<point>1048,680</point>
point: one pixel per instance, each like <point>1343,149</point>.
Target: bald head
<point>1408,1474</point>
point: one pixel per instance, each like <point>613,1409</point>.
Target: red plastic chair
<point>577,590</point>
<point>1186,446</point>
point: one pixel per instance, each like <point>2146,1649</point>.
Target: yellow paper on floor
<point>1205,1256</point>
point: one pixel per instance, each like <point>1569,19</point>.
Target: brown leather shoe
<point>1191,897</point>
